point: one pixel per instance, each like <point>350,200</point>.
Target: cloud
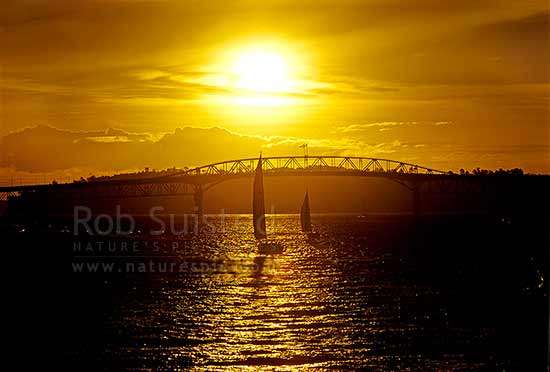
<point>149,74</point>
<point>40,150</point>
<point>116,135</point>
<point>115,85</point>
<point>383,126</point>
<point>44,148</point>
<point>387,125</point>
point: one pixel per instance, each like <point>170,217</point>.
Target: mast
<point>305,215</point>
<point>258,206</point>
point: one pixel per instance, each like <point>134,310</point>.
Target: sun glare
<point>256,75</point>
<point>261,71</point>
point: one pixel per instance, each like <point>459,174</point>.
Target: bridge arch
<point>196,181</point>
<point>310,163</point>
<point>397,171</point>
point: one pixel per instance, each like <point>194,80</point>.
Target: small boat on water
<point>258,214</point>
<point>305,219</point>
<point>305,214</point>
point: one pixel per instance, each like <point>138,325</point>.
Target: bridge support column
<point>416,199</point>
<point>198,199</point>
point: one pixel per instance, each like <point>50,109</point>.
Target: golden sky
<point>446,84</point>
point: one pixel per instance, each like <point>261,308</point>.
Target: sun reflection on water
<point>314,306</point>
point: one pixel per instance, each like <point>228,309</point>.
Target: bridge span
<point>196,181</point>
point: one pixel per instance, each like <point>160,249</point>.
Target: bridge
<point>196,181</point>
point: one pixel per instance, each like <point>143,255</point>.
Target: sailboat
<point>258,206</point>
<point>258,214</point>
<point>305,215</point>
<point>305,219</point>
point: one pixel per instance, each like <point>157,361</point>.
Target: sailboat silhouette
<point>305,219</point>
<point>305,214</point>
<point>258,206</point>
<point>258,214</point>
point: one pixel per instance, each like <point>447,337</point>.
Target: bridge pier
<point>198,199</point>
<point>416,199</point>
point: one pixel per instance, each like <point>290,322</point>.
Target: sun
<point>261,71</point>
